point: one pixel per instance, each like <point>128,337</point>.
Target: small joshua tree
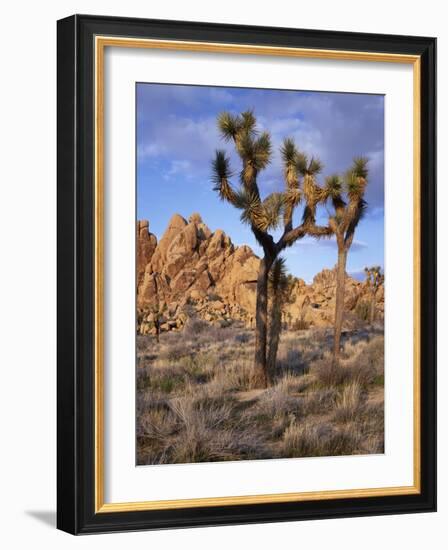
<point>374,279</point>
<point>347,215</point>
<point>264,215</point>
<point>278,291</point>
<point>157,312</point>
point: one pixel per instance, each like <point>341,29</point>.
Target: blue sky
<point>177,137</point>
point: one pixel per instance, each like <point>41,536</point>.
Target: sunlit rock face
<point>194,271</point>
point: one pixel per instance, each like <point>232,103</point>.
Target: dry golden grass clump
<point>195,402</point>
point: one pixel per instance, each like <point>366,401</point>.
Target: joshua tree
<point>347,214</point>
<point>157,319</point>
<point>374,279</point>
<point>263,215</point>
<point>278,290</point>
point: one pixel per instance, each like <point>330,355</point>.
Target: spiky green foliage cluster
<point>255,151</point>
<point>333,185</point>
<point>278,276</point>
<point>347,197</point>
<point>374,276</point>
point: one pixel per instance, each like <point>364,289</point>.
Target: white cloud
<point>150,150</point>
<point>182,167</point>
<point>327,243</point>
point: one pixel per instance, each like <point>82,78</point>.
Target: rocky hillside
<point>192,272</point>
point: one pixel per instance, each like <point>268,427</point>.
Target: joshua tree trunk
<point>339,309</point>
<point>372,309</point>
<point>157,327</point>
<point>260,375</point>
<point>274,334</point>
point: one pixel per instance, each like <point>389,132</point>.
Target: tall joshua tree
<point>278,293</point>
<point>347,197</point>
<point>263,215</point>
<point>374,279</point>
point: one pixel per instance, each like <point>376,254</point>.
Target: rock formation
<point>146,245</point>
<point>194,272</point>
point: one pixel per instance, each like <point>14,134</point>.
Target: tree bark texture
<point>260,374</point>
<point>275,327</point>
<point>372,309</point>
<point>339,309</point>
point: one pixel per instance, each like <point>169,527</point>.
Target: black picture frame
<point>76,265</point>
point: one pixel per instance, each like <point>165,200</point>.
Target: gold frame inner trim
<point>101,42</point>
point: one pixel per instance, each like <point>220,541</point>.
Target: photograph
<point>246,263</point>
<point>260,274</point>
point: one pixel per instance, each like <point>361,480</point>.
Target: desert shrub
<point>147,400</point>
<point>167,385</point>
<point>205,434</point>
<point>349,404</point>
<point>304,440</point>
<point>195,326</point>
<point>320,336</point>
<point>319,440</point>
<point>142,378</point>
<point>374,352</point>
<point>235,376</point>
<point>195,416</point>
<point>156,423</point>
<point>367,361</point>
<point>204,400</point>
<point>242,338</point>
<point>145,360</point>
<point>300,324</point>
<point>276,402</point>
<point>218,334</point>
<point>364,365</point>
<point>166,382</point>
<point>362,310</point>
<point>199,367</point>
<point>173,353</point>
<point>328,374</point>
<point>291,361</point>
<point>373,444</point>
<point>293,382</point>
<point>378,380</point>
<point>363,373</point>
<point>371,425</point>
<point>208,334</point>
<point>270,411</point>
<point>143,342</point>
<point>318,401</point>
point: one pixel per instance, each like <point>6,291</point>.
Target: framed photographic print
<point>246,274</point>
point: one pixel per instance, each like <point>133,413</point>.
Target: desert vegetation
<point>374,279</point>
<point>196,402</point>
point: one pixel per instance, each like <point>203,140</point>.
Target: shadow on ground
<point>47,517</point>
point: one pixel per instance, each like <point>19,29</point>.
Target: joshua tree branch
<point>290,237</point>
<point>319,230</point>
<point>266,241</point>
<point>349,240</point>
